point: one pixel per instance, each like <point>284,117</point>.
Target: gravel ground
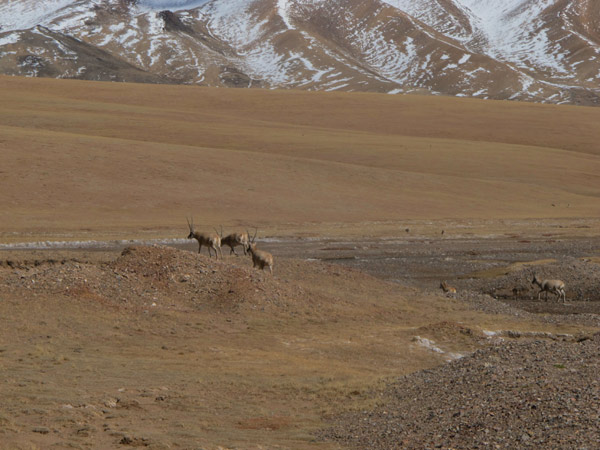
<point>484,271</point>
<point>536,394</point>
<point>542,393</point>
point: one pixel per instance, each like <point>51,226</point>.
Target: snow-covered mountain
<point>537,50</point>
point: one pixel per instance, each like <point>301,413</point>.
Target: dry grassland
<point>167,349</point>
<point>125,159</point>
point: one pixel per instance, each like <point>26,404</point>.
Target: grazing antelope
<point>234,239</point>
<point>557,287</point>
<point>260,258</point>
<point>209,240</point>
<point>449,290</point>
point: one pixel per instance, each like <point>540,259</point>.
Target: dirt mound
<point>508,396</point>
<point>157,277</point>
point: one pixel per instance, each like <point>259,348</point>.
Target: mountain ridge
<point>546,51</point>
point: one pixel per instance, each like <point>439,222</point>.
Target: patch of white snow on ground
<point>283,9</point>
<point>10,38</point>
<point>464,58</point>
<point>490,333</point>
<point>128,37</point>
<point>318,73</point>
<point>429,344</point>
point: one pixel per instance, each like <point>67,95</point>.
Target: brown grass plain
<point>82,368</point>
<point>125,159</point>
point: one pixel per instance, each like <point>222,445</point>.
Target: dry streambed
<point>541,391</point>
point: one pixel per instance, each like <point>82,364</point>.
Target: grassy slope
<point>82,156</point>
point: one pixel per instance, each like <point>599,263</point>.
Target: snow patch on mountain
<point>10,38</point>
<point>434,14</point>
<point>171,5</point>
<point>234,21</point>
<point>509,30</point>
<point>542,50</point>
<point>22,15</point>
<point>387,58</point>
<point>283,7</point>
<point>514,32</point>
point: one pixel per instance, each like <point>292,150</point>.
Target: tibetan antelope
<point>260,258</point>
<point>449,290</point>
<point>209,240</point>
<point>557,287</point>
<point>234,239</point>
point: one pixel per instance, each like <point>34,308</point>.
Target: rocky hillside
<point>534,50</point>
<point>539,394</point>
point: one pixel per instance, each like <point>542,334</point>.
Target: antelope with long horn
<point>557,287</point>
<point>260,258</point>
<point>234,240</point>
<point>209,240</point>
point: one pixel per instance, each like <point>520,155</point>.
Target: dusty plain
<point>366,201</point>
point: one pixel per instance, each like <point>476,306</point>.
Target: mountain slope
<point>517,49</point>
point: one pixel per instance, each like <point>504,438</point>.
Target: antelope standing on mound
<point>449,290</point>
<point>209,240</point>
<point>260,258</point>
<point>557,287</point>
<point>234,239</point>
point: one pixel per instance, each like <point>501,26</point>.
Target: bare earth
<point>366,202</point>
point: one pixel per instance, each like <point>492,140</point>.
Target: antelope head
<point>219,234</point>
<point>191,226</point>
<point>251,244</point>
